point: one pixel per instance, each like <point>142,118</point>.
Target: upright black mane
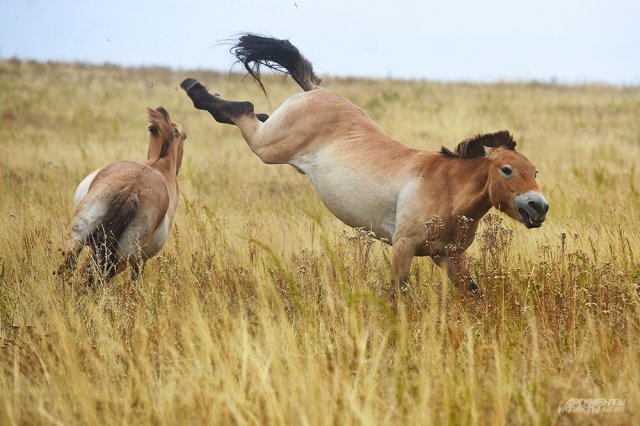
<point>474,147</point>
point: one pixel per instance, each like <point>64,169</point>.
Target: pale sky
<point>460,40</point>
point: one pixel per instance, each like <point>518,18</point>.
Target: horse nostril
<point>539,207</point>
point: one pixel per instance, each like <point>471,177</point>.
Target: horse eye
<point>506,170</point>
<point>536,175</point>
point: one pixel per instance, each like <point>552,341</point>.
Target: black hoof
<point>188,83</point>
<point>223,111</point>
<point>198,93</point>
<point>204,100</point>
<point>474,289</point>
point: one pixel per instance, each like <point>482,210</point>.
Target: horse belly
<point>354,196</point>
<point>158,238</point>
<point>147,233</point>
<point>161,234</point>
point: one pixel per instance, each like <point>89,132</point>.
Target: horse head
<point>166,137</point>
<point>512,185</point>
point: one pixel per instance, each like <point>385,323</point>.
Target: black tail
<point>279,55</point>
<point>104,239</point>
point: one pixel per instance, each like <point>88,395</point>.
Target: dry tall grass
<point>264,309</point>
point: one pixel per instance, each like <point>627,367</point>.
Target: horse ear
<point>159,122</point>
<point>165,114</point>
<point>488,151</point>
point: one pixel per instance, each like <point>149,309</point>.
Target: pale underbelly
<point>158,238</point>
<point>359,210</point>
<point>356,198</point>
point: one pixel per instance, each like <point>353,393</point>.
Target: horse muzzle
<point>533,209</point>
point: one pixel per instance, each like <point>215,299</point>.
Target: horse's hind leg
<point>70,251</point>
<point>223,111</point>
<point>265,139</point>
<point>77,234</point>
<point>137,267</point>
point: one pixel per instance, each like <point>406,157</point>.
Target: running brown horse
<point>123,211</point>
<point>422,203</point>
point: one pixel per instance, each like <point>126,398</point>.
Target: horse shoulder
<point>424,204</point>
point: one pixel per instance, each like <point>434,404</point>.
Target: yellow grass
<point>264,309</point>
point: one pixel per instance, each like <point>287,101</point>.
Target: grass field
<point>264,309</point>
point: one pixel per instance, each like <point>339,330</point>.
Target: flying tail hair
<point>254,51</point>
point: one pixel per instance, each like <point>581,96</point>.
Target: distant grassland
<point>264,309</point>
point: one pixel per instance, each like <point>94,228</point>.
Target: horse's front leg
<point>458,270</point>
<point>402,256</point>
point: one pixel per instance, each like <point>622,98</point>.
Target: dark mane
<point>474,147</point>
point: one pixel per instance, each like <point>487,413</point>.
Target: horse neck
<point>155,148</point>
<point>471,187</point>
<point>167,165</point>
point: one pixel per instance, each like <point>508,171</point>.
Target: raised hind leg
<point>273,141</point>
<point>223,111</point>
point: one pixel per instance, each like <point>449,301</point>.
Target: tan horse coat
<point>124,210</point>
<point>422,203</point>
